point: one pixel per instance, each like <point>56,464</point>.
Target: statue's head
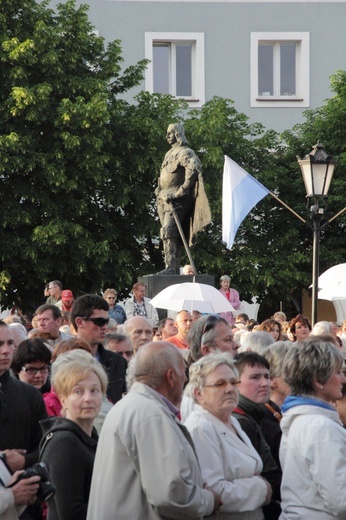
<point>179,133</point>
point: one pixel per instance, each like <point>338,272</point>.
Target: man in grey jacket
<point>146,467</point>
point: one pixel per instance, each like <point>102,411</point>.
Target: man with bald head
<point>139,330</point>
<point>183,322</point>
<point>144,443</point>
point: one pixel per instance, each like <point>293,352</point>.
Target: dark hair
<point>250,359</point>
<point>162,323</point>
<point>242,316</point>
<point>268,325</point>
<point>250,324</point>
<point>85,305</point>
<point>48,307</point>
<point>29,351</point>
<point>298,319</point>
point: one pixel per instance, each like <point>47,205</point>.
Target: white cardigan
<point>229,464</point>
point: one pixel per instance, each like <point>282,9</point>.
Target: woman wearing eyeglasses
<point>68,445</point>
<point>31,362</point>
<point>229,463</point>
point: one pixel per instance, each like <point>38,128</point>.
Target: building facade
<point>274,59</point>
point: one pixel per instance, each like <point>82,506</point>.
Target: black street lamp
<point>317,169</point>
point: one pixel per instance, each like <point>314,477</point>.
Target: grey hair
<point>313,360</point>
<point>19,332</point>
<point>112,323</point>
<point>275,355</point>
<point>116,337</point>
<point>322,327</point>
<point>257,341</point>
<point>205,366</point>
<point>225,278</point>
<point>196,339</point>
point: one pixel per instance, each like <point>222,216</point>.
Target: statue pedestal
<point>157,282</point>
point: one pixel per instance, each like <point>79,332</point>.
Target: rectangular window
<point>176,65</point>
<point>279,69</point>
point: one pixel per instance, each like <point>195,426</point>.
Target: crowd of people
<point>120,415</point>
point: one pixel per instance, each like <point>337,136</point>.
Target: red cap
<point>67,295</point>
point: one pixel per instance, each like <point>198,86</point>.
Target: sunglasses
<point>99,322</point>
<point>212,320</point>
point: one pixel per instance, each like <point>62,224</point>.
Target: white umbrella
<point>192,296</point>
<point>332,294</point>
<point>332,283</point>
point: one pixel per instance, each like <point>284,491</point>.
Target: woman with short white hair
<point>229,463</point>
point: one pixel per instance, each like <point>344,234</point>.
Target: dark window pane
<point>265,69</point>
<point>184,70</point>
<point>161,65</point>
<point>287,69</point>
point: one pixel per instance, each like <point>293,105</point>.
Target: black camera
<point>46,489</point>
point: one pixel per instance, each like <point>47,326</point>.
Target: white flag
<point>240,193</point>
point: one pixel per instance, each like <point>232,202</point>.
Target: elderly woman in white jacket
<point>313,444</point>
<point>229,463</point>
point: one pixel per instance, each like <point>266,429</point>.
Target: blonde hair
<point>71,367</point>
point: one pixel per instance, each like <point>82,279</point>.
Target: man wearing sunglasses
<point>89,317</point>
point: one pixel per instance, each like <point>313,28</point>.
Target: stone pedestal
<point>157,282</point>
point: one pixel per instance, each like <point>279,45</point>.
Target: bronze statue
<point>181,200</point>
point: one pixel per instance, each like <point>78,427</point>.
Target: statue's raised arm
<point>180,188</point>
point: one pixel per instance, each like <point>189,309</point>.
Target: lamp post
<point>317,169</point>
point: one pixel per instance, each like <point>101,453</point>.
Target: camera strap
<point>49,436</point>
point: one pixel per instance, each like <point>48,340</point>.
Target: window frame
<point>197,63</point>
<point>302,96</point>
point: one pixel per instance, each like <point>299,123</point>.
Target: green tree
<point>58,88</point>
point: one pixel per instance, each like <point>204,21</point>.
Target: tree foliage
<point>56,147</point>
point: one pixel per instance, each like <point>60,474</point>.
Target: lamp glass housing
<point>317,170</point>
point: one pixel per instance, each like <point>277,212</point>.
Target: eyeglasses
<point>212,320</point>
<point>32,371</point>
<point>99,322</point>
<point>222,384</point>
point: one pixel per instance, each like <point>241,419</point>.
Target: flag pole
<point>287,207</point>
<point>335,216</point>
